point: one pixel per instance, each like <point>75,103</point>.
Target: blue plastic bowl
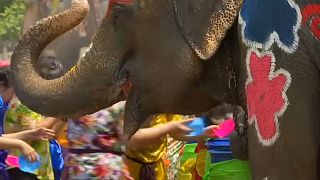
<point>197,127</point>
<point>27,166</point>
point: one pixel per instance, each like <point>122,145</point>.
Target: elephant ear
<point>204,23</point>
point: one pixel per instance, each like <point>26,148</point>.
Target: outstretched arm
<point>177,129</point>
<point>6,143</point>
<point>20,145</point>
<point>52,123</point>
<point>152,135</point>
<point>34,134</point>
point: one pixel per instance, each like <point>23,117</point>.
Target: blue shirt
<point>3,109</point>
<point>3,153</point>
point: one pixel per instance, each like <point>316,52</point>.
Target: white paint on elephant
<point>83,54</point>
<point>274,36</point>
<point>272,75</point>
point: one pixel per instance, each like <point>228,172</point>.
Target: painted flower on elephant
<point>267,22</point>
<point>311,16</point>
<point>266,95</point>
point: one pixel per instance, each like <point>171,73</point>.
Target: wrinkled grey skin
<point>122,51</point>
<point>178,62</point>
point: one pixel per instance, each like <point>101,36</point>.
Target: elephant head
<point>158,46</point>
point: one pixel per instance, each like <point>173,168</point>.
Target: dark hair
<point>4,80</point>
<point>50,68</point>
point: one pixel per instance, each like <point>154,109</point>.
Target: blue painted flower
<point>267,21</point>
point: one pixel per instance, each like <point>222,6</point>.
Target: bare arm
<point>34,134</point>
<point>176,129</point>
<point>146,136</point>
<point>153,135</point>
<point>20,145</point>
<point>23,135</point>
<point>52,123</point>
<point>6,143</point>
<point>47,122</point>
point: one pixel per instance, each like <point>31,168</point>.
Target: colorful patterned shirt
<point>19,118</point>
<point>99,131</point>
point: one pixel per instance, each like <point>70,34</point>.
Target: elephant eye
<point>119,11</point>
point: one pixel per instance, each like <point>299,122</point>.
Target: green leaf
<point>11,19</point>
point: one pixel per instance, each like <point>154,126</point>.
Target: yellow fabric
<point>201,162</point>
<point>154,152</point>
<point>195,165</point>
<point>187,170</point>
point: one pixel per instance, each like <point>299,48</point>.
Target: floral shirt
<point>99,131</point>
<point>19,118</point>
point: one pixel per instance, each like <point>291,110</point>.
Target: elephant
<point>187,57</point>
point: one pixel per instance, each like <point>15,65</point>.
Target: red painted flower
<point>266,96</point>
<point>311,16</point>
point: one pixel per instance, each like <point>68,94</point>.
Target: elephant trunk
<point>86,88</point>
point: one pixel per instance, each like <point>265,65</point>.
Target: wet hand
<point>179,129</point>
<point>28,151</point>
<point>209,131</point>
<point>41,134</point>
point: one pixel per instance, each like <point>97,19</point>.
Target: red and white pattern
<point>311,17</point>
<point>266,94</point>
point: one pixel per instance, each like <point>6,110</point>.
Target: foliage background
<point>11,19</point>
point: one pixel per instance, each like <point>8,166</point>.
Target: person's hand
<point>179,129</point>
<point>41,134</point>
<point>28,151</point>
<point>209,131</point>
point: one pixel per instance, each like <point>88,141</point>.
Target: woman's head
<point>6,90</point>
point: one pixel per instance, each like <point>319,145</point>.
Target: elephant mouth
<point>122,74</point>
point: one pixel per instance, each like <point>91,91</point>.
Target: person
<point>146,148</point>
<point>95,146</point>
<point>16,140</point>
<point>19,117</point>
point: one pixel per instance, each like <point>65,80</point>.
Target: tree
<point>11,19</point>
<point>4,4</point>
